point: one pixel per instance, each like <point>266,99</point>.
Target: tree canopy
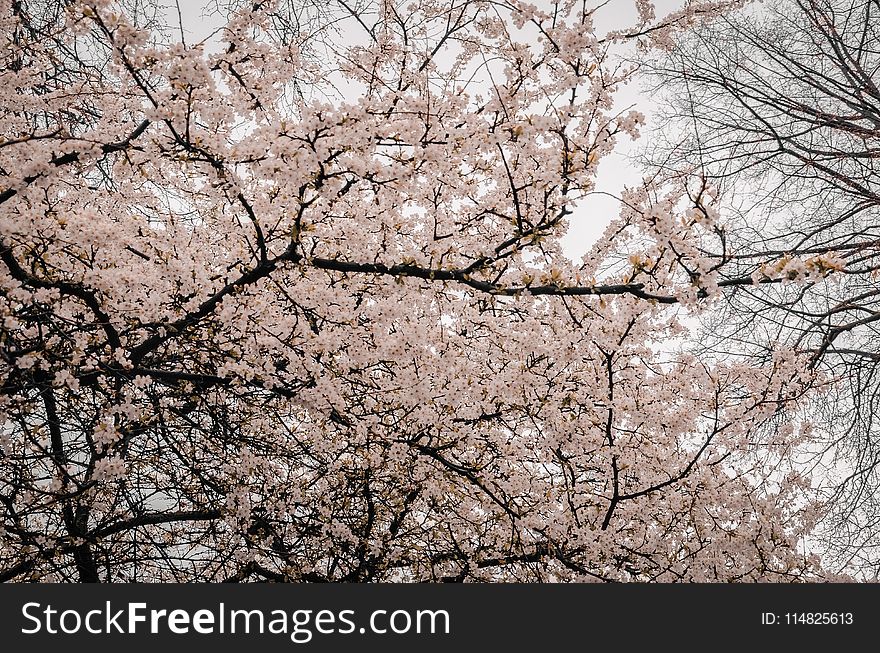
<point>291,304</point>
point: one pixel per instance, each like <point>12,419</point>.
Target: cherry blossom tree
<point>290,304</point>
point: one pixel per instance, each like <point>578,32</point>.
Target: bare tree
<point>779,106</point>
